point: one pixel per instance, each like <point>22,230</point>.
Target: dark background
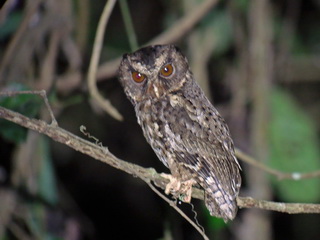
<point>258,62</point>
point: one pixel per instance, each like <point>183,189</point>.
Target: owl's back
<point>192,140</point>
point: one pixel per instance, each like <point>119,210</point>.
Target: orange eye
<point>138,77</point>
<point>167,70</point>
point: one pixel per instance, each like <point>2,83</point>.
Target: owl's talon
<point>174,184</point>
<point>175,187</point>
<point>186,189</point>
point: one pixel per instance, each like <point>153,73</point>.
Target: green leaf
<point>214,224</point>
<point>38,222</point>
<point>35,218</point>
<point>294,148</point>
<point>10,25</point>
<point>26,104</point>
<point>39,214</point>
<point>47,180</point>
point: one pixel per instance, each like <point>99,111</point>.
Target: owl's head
<point>153,72</point>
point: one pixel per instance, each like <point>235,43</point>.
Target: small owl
<point>185,131</point>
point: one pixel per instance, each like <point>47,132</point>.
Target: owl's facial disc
<point>159,86</point>
<point>152,72</point>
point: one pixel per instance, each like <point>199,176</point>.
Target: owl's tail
<point>220,203</point>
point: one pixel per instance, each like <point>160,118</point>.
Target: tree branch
<point>146,174</point>
<point>174,33</point>
<point>180,28</point>
<point>98,41</point>
<point>279,174</point>
<point>291,208</point>
<point>174,205</point>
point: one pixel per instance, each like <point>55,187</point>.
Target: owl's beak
<point>155,89</point>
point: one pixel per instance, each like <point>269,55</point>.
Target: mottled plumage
<point>186,132</point>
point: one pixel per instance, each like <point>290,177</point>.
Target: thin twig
<point>291,208</point>
<point>32,7</point>
<point>41,93</point>
<point>60,135</point>
<point>173,34</point>
<point>128,25</point>
<point>18,231</point>
<point>48,63</point>
<point>5,10</point>
<point>180,28</point>
<point>83,129</point>
<point>279,174</point>
<point>184,25</point>
<point>172,204</point>
<point>92,72</point>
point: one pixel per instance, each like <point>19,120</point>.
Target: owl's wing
<point>202,145</point>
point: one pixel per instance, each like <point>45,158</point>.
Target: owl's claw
<point>176,187</point>
<point>174,184</point>
<point>186,190</point>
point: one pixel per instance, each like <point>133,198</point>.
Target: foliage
<point>27,104</point>
<point>10,25</point>
<point>294,148</point>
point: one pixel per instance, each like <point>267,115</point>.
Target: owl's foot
<point>173,186</point>
<point>186,190</point>
<point>176,187</point>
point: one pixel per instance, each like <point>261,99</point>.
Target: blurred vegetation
<point>28,105</point>
<point>294,148</point>
<point>48,191</point>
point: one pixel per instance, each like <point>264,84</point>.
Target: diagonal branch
<point>173,34</point>
<point>146,174</point>
<point>279,174</point>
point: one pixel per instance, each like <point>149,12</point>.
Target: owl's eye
<point>167,70</point>
<point>137,77</point>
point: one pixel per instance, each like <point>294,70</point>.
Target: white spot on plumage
<point>156,91</point>
<point>209,180</point>
<point>156,130</point>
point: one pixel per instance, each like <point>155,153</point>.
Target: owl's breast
<point>152,117</point>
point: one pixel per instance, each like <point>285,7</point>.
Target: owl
<point>183,128</point>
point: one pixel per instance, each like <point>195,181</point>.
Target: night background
<point>259,63</point>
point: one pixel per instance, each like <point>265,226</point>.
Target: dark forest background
<point>259,63</point>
